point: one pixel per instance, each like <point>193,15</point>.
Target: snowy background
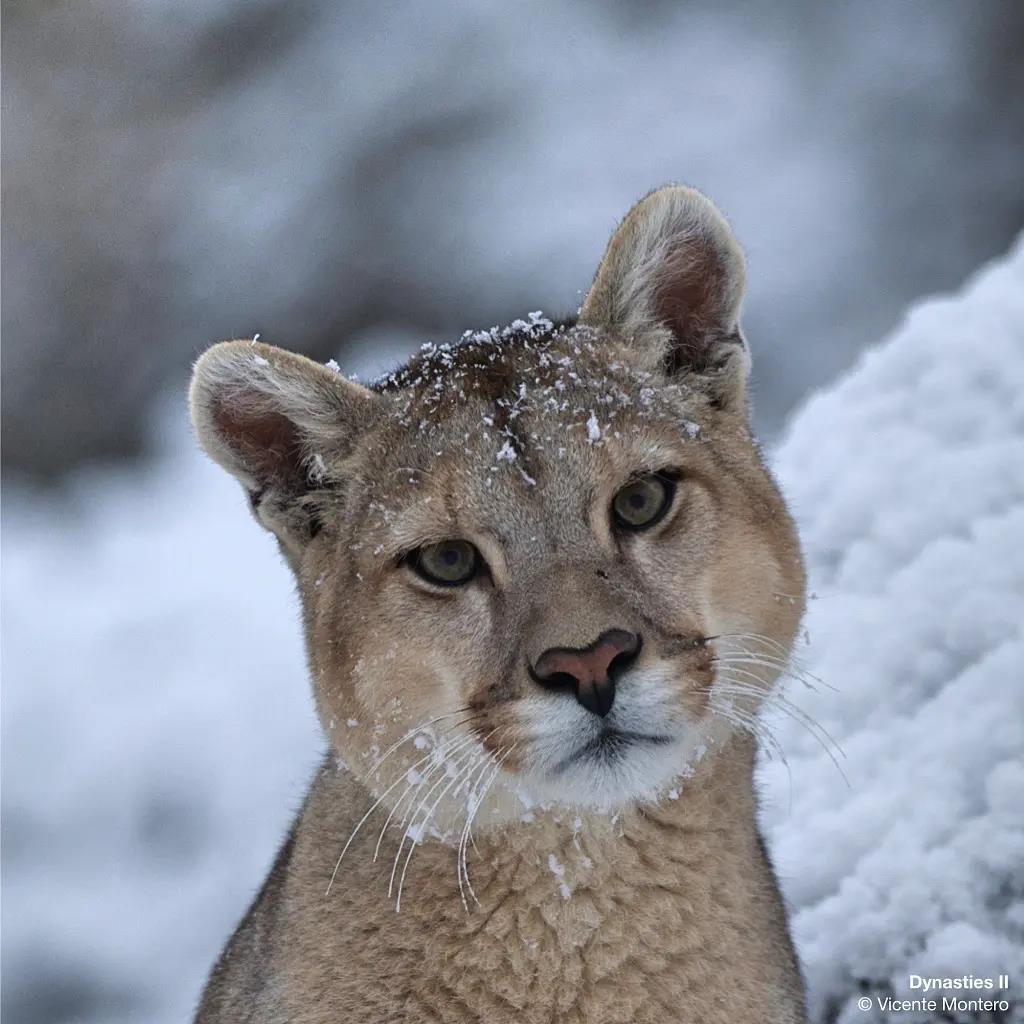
<point>907,479</point>
<point>353,183</point>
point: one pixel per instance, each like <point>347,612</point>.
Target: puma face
<point>546,560</point>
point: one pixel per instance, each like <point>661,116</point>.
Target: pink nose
<point>589,672</point>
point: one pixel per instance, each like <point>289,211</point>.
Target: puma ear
<point>672,281</point>
<point>270,418</point>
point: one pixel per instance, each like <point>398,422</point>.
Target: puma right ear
<point>275,421</point>
<point>671,282</point>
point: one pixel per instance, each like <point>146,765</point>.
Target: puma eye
<point>642,502</point>
<point>449,563</point>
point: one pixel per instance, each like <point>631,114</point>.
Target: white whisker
<point>445,750</point>
<point>473,789</point>
<point>469,762</point>
<point>749,723</point>
<point>412,733</point>
<point>773,697</point>
<point>472,815</point>
<point>363,820</point>
<point>813,727</point>
<point>440,766</point>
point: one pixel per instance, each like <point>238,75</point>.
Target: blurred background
<point>351,180</point>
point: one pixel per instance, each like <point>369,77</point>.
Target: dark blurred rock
<point>48,990</point>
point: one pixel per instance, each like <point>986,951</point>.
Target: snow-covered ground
<point>157,732</point>
<point>907,479</point>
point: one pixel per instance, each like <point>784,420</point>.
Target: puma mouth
<point>632,755</point>
<point>610,745</point>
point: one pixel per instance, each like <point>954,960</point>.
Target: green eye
<point>449,563</point>
<point>642,502</point>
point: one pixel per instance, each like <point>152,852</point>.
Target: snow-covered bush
<point>907,479</point>
<point>157,730</point>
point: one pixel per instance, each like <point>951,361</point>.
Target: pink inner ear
<point>689,301</point>
<point>267,442</point>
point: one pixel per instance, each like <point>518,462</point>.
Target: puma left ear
<point>671,282</point>
<point>274,420</point>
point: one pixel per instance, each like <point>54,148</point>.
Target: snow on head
<point>507,453</point>
<point>907,479</point>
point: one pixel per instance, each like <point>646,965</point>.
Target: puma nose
<point>589,672</point>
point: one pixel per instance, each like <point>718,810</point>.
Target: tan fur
<point>631,887</point>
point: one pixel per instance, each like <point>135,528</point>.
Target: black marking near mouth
<point>610,744</point>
